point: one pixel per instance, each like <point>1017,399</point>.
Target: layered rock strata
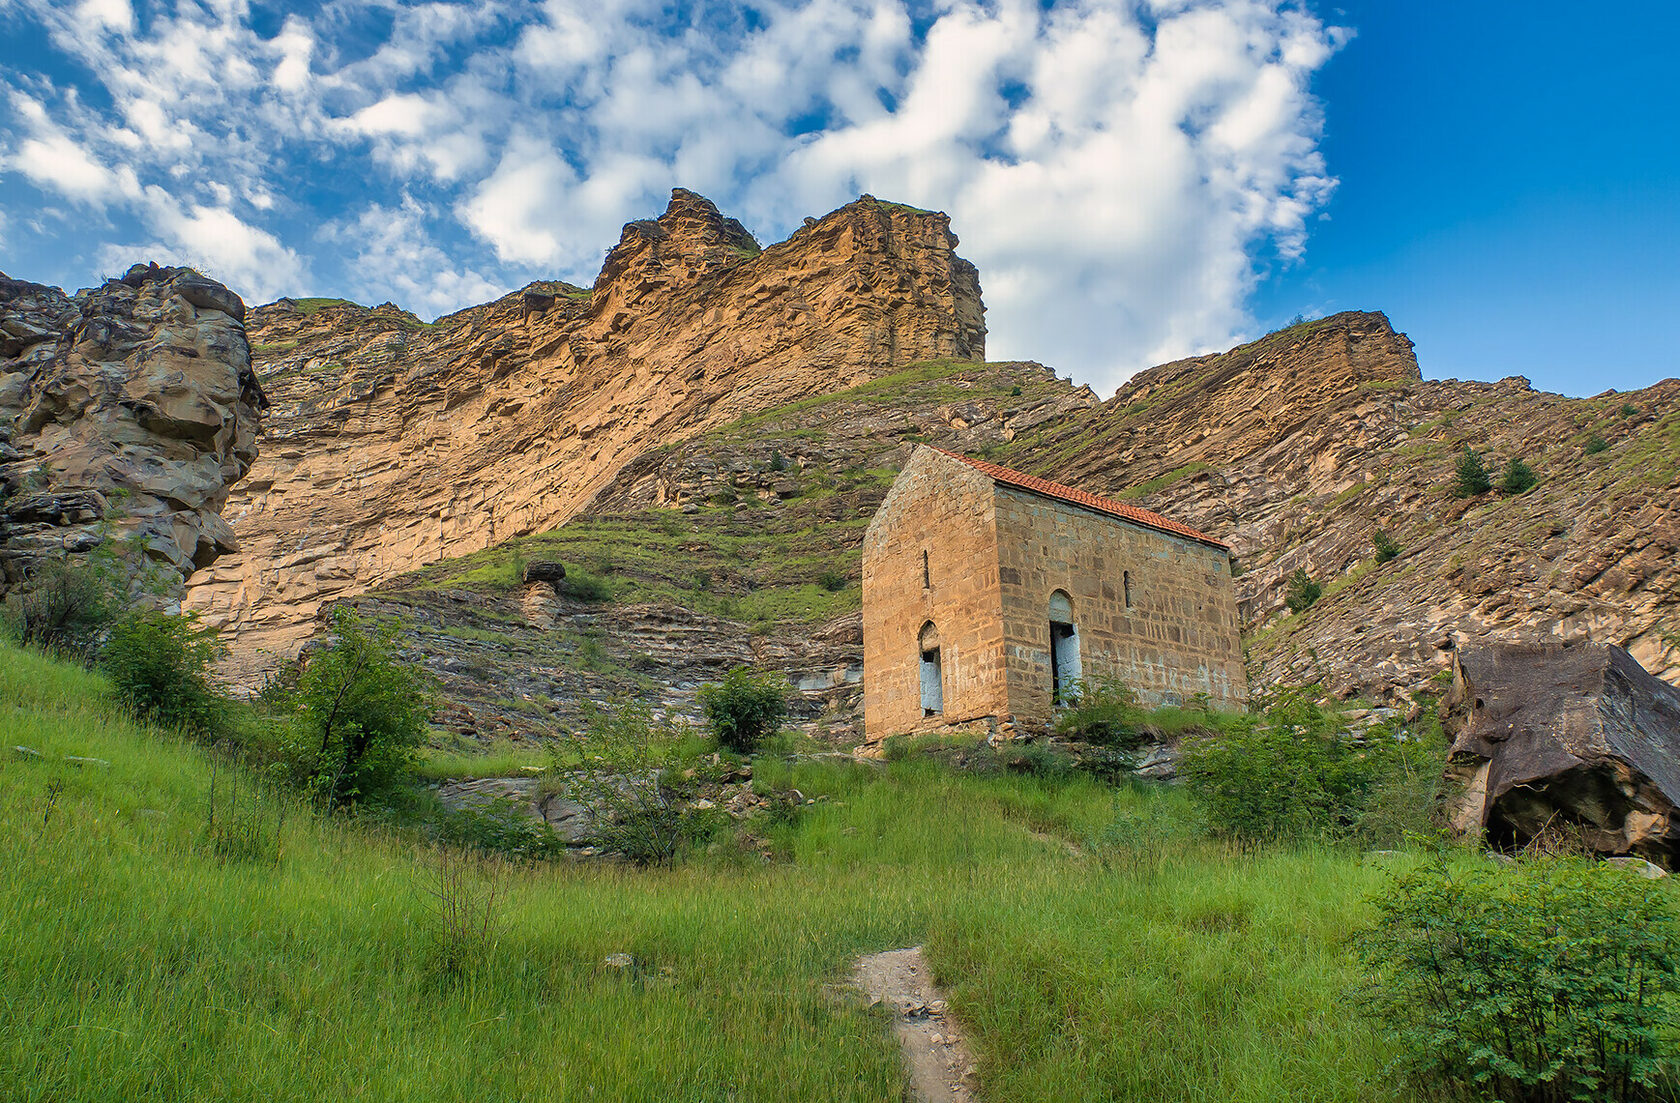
<point>393,443</point>
<point>1298,448</point>
<point>126,413</point>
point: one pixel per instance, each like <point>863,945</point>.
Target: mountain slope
<point>393,443</point>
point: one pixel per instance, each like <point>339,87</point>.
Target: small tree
<point>1302,591</point>
<point>744,708</point>
<point>1595,444</point>
<point>64,607</point>
<point>630,777</point>
<point>1519,478</point>
<point>365,710</point>
<point>160,665</point>
<point>1387,549</point>
<point>1470,478</point>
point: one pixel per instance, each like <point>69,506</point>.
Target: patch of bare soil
<point>941,1068</point>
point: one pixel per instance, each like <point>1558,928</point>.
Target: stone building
<point>988,594</point>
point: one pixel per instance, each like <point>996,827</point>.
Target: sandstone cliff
<point>126,413</point>
<point>393,444</point>
<point>720,549</point>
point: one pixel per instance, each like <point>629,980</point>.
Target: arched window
<point>933,680</point>
<point>1065,670</point>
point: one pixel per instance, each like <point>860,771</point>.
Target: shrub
<point>503,828</point>
<point>1104,712</point>
<point>1629,410</point>
<point>364,708</point>
<point>1518,478</point>
<point>1293,771</point>
<point>581,585</point>
<point>1548,982</point>
<point>778,462</point>
<point>1302,591</point>
<point>1470,478</point>
<point>64,608</point>
<point>631,780</point>
<point>744,708</point>
<point>831,580</point>
<point>160,666</point>
<point>1595,445</point>
<point>1387,549</point>
<point>1015,391</point>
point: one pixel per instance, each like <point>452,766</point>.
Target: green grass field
<point>1141,962</point>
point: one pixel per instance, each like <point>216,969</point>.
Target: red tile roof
<point>1036,485</point>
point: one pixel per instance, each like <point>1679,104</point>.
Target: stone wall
<point>1177,638</point>
<point>944,508</point>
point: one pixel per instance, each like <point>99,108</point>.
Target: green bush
<point>631,778</point>
<point>1302,591</point>
<point>1104,712</point>
<point>1470,478</point>
<point>744,708</point>
<point>832,580</point>
<point>581,585</point>
<point>1518,478</point>
<point>1595,444</point>
<point>1292,771</point>
<point>1555,980</point>
<point>63,608</point>
<point>1387,549</point>
<point>503,828</point>
<point>160,666</point>
<point>1629,410</point>
<point>363,711</point>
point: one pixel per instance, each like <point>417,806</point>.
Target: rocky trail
<point>935,1053</point>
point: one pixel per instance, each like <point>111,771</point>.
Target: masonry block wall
<point>1176,636</point>
<point>945,509</point>
<point>1152,608</point>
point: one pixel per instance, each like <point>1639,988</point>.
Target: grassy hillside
<point>1094,945</point>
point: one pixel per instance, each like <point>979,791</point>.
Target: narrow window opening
<point>927,575</point>
<point>932,671</point>
<point>1065,666</point>
<point>1126,584</point>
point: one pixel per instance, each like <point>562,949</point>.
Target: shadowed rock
<point>126,413</point>
<point>1566,735</point>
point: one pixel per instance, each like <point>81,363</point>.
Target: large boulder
<point>1559,735</point>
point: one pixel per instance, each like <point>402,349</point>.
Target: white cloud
<point>1113,170</point>
<point>398,260</point>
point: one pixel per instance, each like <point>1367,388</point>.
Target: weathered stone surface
<point>126,411</point>
<point>1566,735</point>
<point>545,572</point>
<point>393,444</point>
<point>1297,448</point>
<point>976,562</point>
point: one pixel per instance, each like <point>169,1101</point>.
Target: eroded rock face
<point>1297,448</point>
<point>126,413</point>
<point>393,444</point>
<point>1566,735</point>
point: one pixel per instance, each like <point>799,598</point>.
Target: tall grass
<point>140,965</point>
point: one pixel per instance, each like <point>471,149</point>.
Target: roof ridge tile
<point>1035,485</point>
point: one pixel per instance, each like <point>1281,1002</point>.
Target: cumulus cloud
<point>1113,167</point>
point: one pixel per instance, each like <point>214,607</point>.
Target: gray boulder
<point>1578,736</point>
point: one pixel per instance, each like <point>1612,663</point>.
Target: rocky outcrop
<point>1566,737</point>
<point>1298,448</point>
<point>393,443</point>
<point>126,413</point>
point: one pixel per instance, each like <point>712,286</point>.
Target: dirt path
<point>941,1068</point>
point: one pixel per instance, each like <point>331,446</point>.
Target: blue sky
<point>1137,179</point>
